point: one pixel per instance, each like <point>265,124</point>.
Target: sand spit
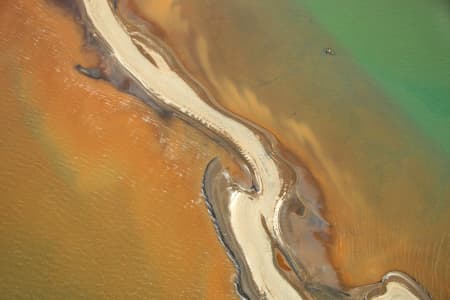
<point>246,210</point>
<point>247,220</point>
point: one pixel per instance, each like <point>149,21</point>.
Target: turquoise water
<point>404,46</point>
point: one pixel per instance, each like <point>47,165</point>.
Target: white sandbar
<point>169,88</point>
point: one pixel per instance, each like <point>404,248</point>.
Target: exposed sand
<point>246,210</point>
<point>395,291</point>
<point>262,60</point>
<point>93,181</point>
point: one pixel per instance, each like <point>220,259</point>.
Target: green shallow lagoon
<point>404,46</point>
<point>370,123</point>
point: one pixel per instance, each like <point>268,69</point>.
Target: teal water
<point>368,123</point>
<point>405,46</point>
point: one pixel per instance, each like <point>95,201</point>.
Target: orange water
<point>385,190</point>
<point>100,198</point>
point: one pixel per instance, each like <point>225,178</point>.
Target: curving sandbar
<point>247,220</point>
<point>246,210</point>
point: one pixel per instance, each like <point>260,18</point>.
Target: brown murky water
<point>100,197</point>
<point>385,189</point>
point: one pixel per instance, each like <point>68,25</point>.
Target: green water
<point>405,46</point>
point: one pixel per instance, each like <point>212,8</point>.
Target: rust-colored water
<point>385,188</point>
<point>100,198</point>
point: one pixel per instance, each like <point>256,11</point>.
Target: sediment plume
<point>251,220</point>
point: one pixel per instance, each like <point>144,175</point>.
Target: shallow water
<point>111,179</point>
<point>384,179</point>
<point>408,53</point>
<point>100,197</point>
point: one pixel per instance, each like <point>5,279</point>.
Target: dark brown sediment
<point>215,188</point>
<point>94,73</point>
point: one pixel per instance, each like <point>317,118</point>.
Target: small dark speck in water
<point>329,51</point>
